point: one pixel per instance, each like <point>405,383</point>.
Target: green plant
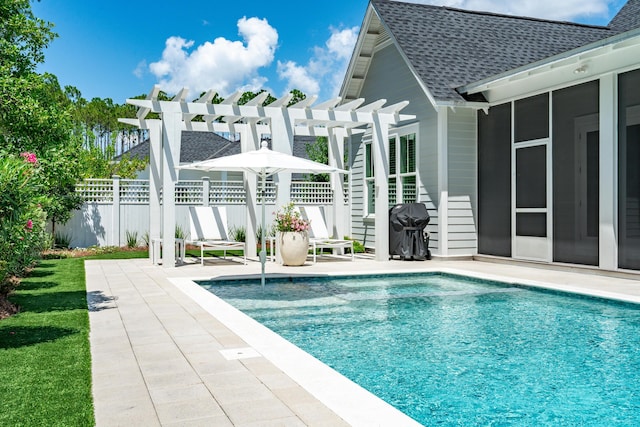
<point>358,247</point>
<point>180,232</point>
<point>270,232</point>
<point>238,234</point>
<point>289,219</point>
<point>22,231</point>
<point>62,240</point>
<point>132,239</point>
<point>145,238</point>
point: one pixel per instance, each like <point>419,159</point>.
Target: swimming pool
<point>451,350</point>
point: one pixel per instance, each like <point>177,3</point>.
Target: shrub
<point>62,240</point>
<point>358,247</point>
<point>132,239</point>
<point>180,233</point>
<point>22,220</point>
<point>145,238</point>
<point>271,231</point>
<point>238,234</point>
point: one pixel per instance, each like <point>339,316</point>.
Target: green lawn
<point>45,358</point>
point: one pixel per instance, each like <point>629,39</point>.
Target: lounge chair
<point>209,231</point>
<point>319,234</point>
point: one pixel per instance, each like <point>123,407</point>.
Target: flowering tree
<point>22,220</point>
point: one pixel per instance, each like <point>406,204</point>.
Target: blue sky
<point>119,49</point>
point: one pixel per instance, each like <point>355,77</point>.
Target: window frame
<point>395,138</point>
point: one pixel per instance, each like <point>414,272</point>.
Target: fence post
<point>115,219</point>
<point>206,188</point>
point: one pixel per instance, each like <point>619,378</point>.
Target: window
<point>369,179</point>
<point>402,172</point>
<point>402,169</point>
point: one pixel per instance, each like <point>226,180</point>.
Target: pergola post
<point>281,140</point>
<point>380,145</point>
<point>155,180</point>
<point>250,140</point>
<point>336,158</point>
<point>171,137</point>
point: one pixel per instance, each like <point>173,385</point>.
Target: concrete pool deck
<point>165,352</point>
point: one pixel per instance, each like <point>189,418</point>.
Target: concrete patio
<point>161,357</point>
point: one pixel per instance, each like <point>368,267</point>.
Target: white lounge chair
<point>209,231</point>
<point>319,234</point>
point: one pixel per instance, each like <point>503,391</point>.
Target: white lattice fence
<point>189,193</point>
<point>96,190</point>
<point>311,193</point>
<point>269,192</point>
<point>134,191</point>
<point>227,192</point>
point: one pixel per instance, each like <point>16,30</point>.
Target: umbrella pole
<point>263,251</point>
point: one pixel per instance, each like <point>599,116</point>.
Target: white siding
<point>462,164</point>
<point>389,78</point>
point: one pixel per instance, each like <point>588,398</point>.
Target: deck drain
<point>239,353</point>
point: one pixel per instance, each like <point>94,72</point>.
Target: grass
<point>45,358</point>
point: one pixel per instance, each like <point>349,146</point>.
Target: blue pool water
<point>448,350</point>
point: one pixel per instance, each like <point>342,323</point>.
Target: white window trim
<point>395,133</point>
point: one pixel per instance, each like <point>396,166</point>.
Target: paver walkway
<point>159,358</point>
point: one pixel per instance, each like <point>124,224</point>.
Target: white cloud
<point>325,70</point>
<point>566,10</point>
<point>223,65</point>
<point>298,77</point>
<point>140,69</point>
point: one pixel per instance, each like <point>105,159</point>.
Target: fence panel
<point>98,222</point>
<point>96,190</point>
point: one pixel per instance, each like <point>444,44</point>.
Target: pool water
<point>451,350</point>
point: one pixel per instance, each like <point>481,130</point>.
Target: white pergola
<point>251,120</point>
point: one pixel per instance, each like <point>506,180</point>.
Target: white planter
<point>294,247</point>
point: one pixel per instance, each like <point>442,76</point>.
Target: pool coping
<point>347,399</point>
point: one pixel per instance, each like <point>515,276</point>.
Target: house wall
<point>389,78</point>
<point>462,175</point>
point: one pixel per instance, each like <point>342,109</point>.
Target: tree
<point>297,97</point>
<point>318,152</point>
<point>35,114</point>
<point>23,38</point>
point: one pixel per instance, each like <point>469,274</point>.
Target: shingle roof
<point>449,48</point>
<point>628,18</point>
<point>195,146</point>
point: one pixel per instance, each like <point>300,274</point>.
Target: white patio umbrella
<point>264,163</point>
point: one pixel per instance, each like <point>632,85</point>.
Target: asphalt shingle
<point>449,48</point>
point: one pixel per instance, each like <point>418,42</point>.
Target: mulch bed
<point>7,309</point>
